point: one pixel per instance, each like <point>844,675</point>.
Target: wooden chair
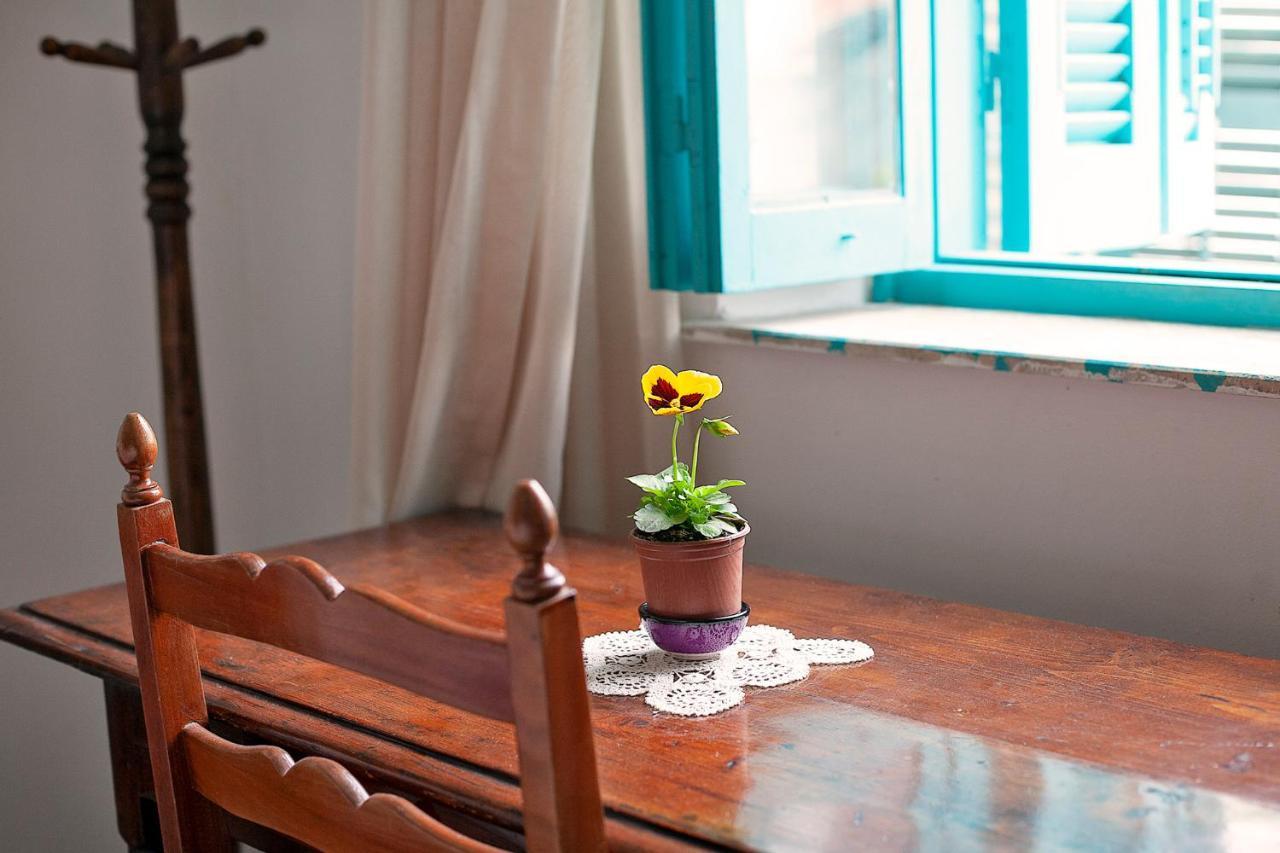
<point>532,676</point>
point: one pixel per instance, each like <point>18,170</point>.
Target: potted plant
<point>689,537</point>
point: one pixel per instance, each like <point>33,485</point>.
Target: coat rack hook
<point>188,53</point>
<point>106,53</point>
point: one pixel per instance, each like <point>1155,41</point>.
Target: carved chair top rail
<point>294,604</point>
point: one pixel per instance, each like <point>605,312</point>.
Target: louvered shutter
<point>1080,107</point>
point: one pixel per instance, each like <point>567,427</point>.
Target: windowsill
<point>1172,355</point>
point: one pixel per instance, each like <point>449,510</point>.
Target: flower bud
<point>719,426</point>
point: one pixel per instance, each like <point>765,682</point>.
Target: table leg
<point>136,816</point>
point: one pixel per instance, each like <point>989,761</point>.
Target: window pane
<point>822,98</point>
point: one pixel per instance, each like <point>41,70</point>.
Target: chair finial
<point>531,527</point>
<point>136,449</point>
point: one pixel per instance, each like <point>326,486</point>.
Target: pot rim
<point>690,543</point>
<point>677,620</point>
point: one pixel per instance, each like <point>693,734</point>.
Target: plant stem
<point>693,469</point>
<point>675,459</point>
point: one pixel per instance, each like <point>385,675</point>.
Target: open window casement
<point>788,143</point>
<point>1192,94</point>
<point>1081,124</point>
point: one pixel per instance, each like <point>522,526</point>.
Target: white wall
<point>273,138</point>
<point>1145,509</point>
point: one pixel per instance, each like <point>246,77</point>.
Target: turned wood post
<point>159,58</point>
<point>145,517</point>
<point>558,780</point>
<point>155,27</point>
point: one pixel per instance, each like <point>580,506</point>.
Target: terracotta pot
<point>692,580</point>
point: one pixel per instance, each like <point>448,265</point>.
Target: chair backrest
<point>532,676</point>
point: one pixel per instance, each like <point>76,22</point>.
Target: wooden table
<point>972,728</point>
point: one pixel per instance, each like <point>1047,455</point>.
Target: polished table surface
<point>971,728</point>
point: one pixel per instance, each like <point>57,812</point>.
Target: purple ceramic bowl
<point>694,638</point>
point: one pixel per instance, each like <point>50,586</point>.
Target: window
<point>1003,153</point>
<point>788,142</point>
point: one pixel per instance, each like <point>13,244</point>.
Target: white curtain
<point>502,316</point>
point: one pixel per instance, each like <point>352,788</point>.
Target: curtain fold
<point>501,300</point>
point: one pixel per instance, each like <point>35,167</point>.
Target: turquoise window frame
<point>680,113</point>
<point>687,237</point>
<point>1046,289</point>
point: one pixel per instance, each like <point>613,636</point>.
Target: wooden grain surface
<point>970,727</point>
<point>293,603</point>
<point>315,800</point>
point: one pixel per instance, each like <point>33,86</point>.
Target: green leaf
<point>708,530</point>
<point>726,509</point>
<point>716,498</point>
<point>713,493</point>
<point>715,527</point>
<point>649,482</point>
<point>650,519</point>
<point>667,476</point>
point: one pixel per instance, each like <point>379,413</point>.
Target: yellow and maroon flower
<point>670,393</point>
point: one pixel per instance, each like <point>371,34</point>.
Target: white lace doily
<point>627,663</point>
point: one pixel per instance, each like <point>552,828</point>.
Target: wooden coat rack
<point>158,58</point>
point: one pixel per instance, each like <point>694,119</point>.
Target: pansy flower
<point>670,393</point>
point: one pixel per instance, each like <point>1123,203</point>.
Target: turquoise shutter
<point>707,233</point>
<point>1081,124</point>
<point>1191,91</point>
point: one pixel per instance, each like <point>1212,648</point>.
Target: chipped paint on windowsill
<point>1213,360</point>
